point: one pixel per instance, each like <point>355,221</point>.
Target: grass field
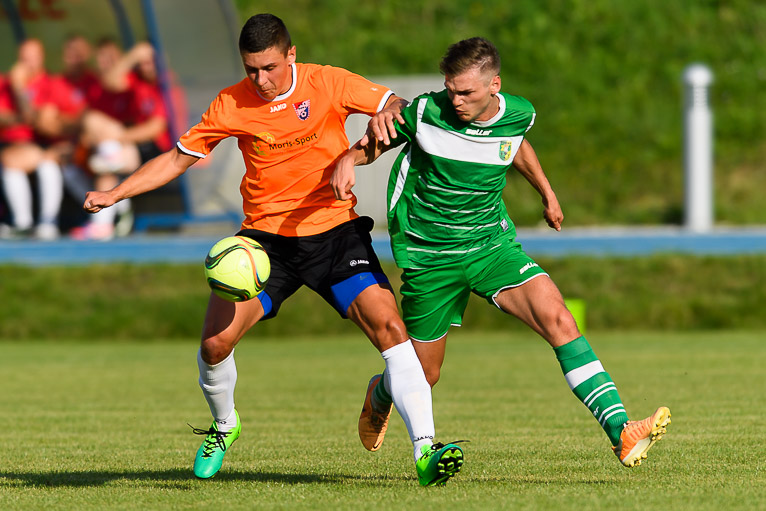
<point>94,425</point>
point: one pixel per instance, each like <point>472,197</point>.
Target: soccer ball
<point>237,268</point>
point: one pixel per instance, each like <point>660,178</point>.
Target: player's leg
<point>431,356</point>
<point>405,384</point>
<point>361,292</point>
<point>225,324</point>
<point>539,304</point>
<point>374,310</point>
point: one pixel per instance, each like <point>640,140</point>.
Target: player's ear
<point>494,85</point>
<point>291,55</point>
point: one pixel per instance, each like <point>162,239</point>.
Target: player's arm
<point>344,176</point>
<point>381,126</point>
<point>527,164</point>
<point>149,176</point>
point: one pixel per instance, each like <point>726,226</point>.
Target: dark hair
<point>469,53</point>
<point>264,31</point>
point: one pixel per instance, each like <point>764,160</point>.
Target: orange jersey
<point>289,144</point>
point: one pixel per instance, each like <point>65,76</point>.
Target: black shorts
<point>337,264</point>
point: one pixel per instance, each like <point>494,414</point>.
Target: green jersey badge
<point>505,150</point>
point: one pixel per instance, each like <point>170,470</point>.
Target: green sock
<point>593,386</point>
<point>381,399</point>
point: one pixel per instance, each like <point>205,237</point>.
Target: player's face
<point>270,71</point>
<point>473,94</point>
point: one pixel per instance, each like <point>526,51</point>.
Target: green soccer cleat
<point>438,463</point>
<point>210,454</point>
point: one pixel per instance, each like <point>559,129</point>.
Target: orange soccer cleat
<point>372,424</point>
<point>639,436</point>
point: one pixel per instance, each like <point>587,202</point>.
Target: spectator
<point>126,126</point>
<point>27,135</point>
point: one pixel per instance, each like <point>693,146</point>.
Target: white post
<point>698,149</point>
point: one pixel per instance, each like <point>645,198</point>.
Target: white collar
<point>497,116</point>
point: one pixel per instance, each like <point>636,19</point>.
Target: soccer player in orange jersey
<point>289,121</point>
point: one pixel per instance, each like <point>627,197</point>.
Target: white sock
<point>411,393</point>
<point>50,183</point>
<point>217,383</point>
<point>18,193</point>
<point>123,206</point>
<point>104,216</point>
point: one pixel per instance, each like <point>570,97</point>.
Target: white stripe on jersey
<point>458,147</point>
<point>455,192</point>
<point>466,228</point>
<point>401,178</point>
<point>461,211</point>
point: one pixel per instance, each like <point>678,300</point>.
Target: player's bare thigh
<point>225,324</point>
<point>539,304</point>
<point>374,310</point>
<point>431,356</point>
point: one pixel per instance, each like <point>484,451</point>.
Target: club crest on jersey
<point>505,150</point>
<point>302,109</point>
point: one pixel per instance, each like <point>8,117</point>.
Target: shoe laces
<point>438,445</point>
<point>214,439</point>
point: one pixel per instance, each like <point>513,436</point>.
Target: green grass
<point>103,425</point>
<point>162,301</point>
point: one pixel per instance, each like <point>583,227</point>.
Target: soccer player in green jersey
<point>451,235</point>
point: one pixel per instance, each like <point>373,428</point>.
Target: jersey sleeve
<point>357,94</point>
<point>410,126</point>
<point>202,138</point>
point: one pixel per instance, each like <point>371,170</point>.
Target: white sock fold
<point>217,383</point>
<point>411,393</point>
<point>50,183</point>
<point>18,193</point>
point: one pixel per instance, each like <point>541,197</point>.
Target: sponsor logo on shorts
<point>527,267</point>
<point>354,262</point>
<point>302,109</point>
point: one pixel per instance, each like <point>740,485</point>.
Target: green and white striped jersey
<point>446,185</point>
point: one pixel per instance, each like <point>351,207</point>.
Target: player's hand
<point>343,178</point>
<point>382,126</point>
<point>553,214</point>
<point>96,201</point>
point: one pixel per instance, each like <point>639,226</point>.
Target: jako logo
<point>277,108</point>
<point>354,262</point>
<point>527,266</point>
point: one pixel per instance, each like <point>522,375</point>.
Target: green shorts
<point>433,299</point>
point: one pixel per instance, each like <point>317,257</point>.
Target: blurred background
<point>605,78</point>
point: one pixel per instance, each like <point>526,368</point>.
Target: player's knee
<point>432,375</point>
<point>215,348</point>
<point>390,331</point>
<point>563,323</point>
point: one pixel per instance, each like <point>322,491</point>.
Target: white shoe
<point>47,232</point>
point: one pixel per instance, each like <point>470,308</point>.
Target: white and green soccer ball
<point>237,268</point>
